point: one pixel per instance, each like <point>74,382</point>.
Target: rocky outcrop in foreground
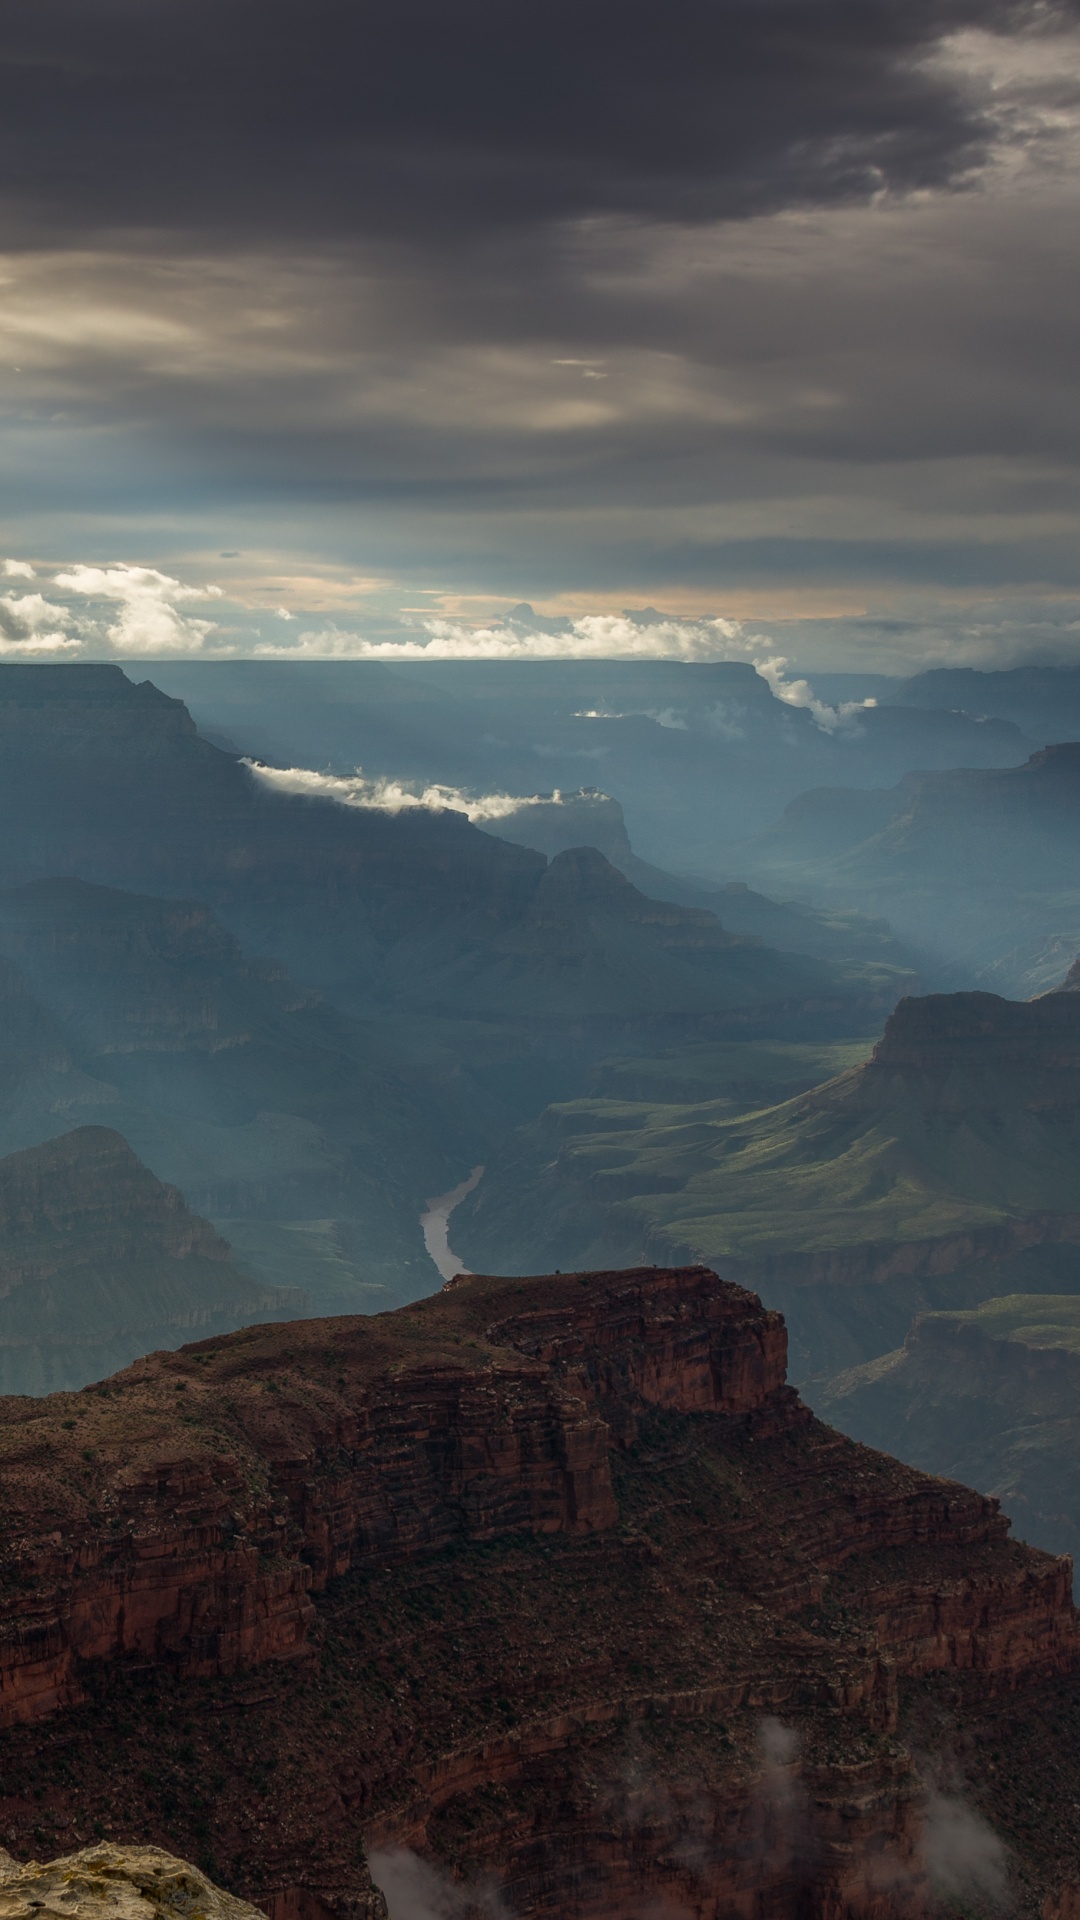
<point>554,1581</point>
<point>126,1883</point>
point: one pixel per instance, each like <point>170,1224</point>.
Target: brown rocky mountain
<point>100,1261</point>
<point>553,1580</point>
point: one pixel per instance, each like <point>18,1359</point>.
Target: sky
<point>341,328</point>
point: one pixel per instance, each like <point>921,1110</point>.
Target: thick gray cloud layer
<point>271,117</point>
<point>758,309</point>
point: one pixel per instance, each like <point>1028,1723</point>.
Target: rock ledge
<point>115,1883</point>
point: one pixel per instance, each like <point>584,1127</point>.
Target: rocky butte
<point>554,1581</point>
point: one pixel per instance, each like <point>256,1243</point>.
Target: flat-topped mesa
<point>942,1033</point>
<point>181,1513</point>
<point>80,703</point>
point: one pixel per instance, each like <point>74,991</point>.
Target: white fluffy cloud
<point>139,612</point>
<point>149,618</point>
<point>30,624</point>
<point>593,636</point>
<point>395,796</point>
<point>129,611</point>
<point>799,693</point>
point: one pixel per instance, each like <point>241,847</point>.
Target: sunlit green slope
<point>963,1124</point>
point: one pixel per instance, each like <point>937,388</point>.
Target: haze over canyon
<point>539,960</point>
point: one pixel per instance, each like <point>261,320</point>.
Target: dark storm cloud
<point>332,118</point>
<point>638,298</point>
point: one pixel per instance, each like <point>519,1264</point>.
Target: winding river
<point>435,1221</point>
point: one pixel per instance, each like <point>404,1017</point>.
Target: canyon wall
<point>186,1557</point>
<point>521,1578</point>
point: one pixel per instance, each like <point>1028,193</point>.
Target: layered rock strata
<point>520,1578</point>
<point>203,1555</point>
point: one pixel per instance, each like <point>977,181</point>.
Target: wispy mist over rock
<point>388,795</point>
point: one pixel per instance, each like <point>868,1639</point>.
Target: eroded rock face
<point>191,1531</point>
<point>956,1050</point>
<point>664,1337</point>
<point>419,1429</point>
<point>519,1578</point>
<point>126,1883</point>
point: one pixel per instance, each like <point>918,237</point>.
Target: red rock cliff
<point>203,1555</point>
<point>546,1552</point>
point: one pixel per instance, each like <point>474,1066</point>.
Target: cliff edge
<point>522,1578</point>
